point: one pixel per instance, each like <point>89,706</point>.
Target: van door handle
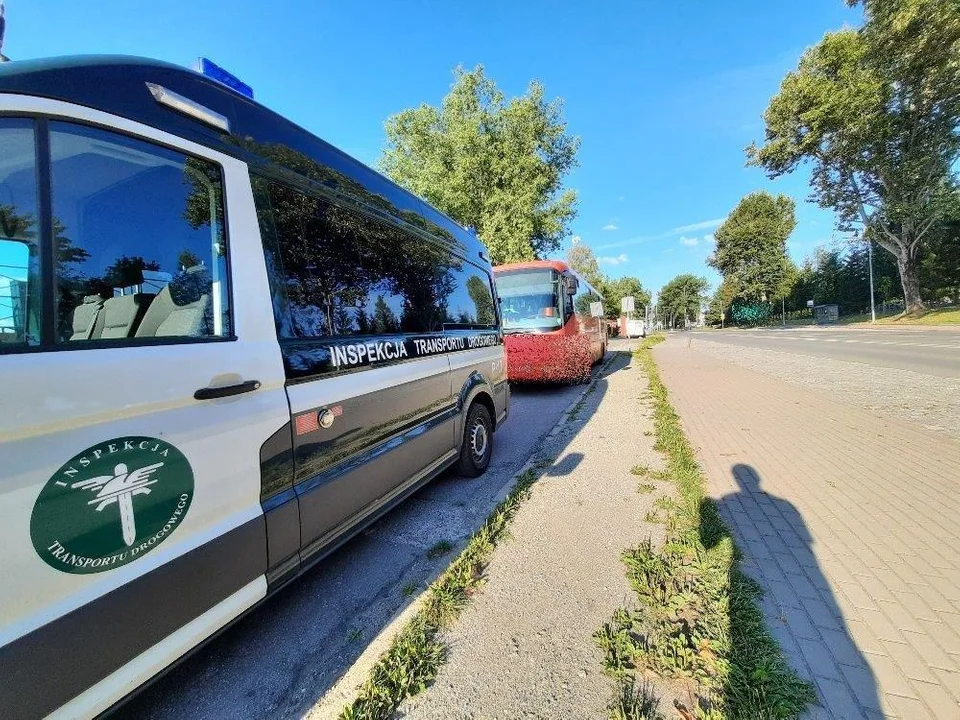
<point>212,393</point>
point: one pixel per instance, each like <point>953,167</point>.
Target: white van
<point>225,347</point>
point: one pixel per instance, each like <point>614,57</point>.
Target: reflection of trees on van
<point>16,225</point>
<point>479,292</point>
<point>125,272</point>
<point>384,319</point>
<point>204,201</point>
<point>320,263</point>
<point>187,259</point>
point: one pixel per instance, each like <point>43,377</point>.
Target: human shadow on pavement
<point>798,604</point>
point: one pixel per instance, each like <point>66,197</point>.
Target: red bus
<point>553,322</point>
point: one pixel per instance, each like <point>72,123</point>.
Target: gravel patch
<point>524,648</point>
<point>931,402</point>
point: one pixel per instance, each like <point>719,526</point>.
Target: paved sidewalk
<point>850,522</point>
<point>524,648</point>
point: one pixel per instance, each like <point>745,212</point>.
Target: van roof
<point>258,135</point>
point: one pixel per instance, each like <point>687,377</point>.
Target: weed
<point>354,635</point>
<point>439,549</point>
<point>646,488</point>
<point>698,615</point>
<point>634,701</point>
<point>409,589</point>
<point>641,470</point>
<point>411,662</point>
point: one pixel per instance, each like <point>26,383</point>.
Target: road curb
<point>343,692</point>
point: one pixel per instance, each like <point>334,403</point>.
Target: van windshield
<point>530,300</point>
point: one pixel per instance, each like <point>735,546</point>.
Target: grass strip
<point>698,616</point>
<point>411,662</point>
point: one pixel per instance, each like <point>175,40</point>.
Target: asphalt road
<point>280,659</point>
<point>933,352</point>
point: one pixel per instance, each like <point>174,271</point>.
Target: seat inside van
<point>85,316</point>
<point>120,316</point>
<point>182,308</point>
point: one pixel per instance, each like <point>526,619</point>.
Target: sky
<point>664,96</point>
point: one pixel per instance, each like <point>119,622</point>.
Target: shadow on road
<point>284,656</point>
<point>798,604</point>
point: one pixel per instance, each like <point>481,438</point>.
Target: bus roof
<point>559,265</point>
<point>264,139</point>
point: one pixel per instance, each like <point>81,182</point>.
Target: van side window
<point>471,303</point>
<point>139,238</point>
<point>19,233</point>
<point>343,273</point>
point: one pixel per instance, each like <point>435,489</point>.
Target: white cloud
<point>617,260</point>
<point>681,230</point>
<point>709,239</point>
<point>610,226</point>
<point>621,198</point>
<point>689,241</point>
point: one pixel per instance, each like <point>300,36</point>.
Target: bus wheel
<point>477,444</point>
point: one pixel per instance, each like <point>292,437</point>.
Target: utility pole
<point>873,311</point>
<point>783,311</point>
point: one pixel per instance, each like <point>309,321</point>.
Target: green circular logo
<point>111,504</point>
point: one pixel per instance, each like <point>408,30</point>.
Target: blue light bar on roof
<point>215,72</point>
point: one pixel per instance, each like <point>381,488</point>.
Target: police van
<point>225,347</point>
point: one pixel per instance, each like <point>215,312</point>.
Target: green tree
<point>582,259</point>
<point>494,164</point>
<point>681,298</point>
<point>875,112</point>
<point>719,309</point>
<point>751,250</point>
<point>616,290</point>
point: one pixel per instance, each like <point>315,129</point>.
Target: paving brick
<point>842,647</point>
<point>877,588</point>
<point>933,597</point>
<point>909,661</point>
<point>906,707</point>
<point>931,653</point>
<point>771,570</point>
<point>799,623</point>
<point>888,675</point>
<point>943,634</point>
<point>804,588</point>
<point>821,614</point>
<point>838,700</point>
<point>819,659</point>
<point>880,625</point>
<point>950,681</point>
<point>857,595</point>
<point>784,594</point>
<point>901,618</point>
<point>861,680</point>
<point>916,606</point>
<point>939,701</point>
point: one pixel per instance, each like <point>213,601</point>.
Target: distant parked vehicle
<point>632,328</point>
<point>552,321</point>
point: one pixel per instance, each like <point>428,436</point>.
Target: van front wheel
<point>477,446</point>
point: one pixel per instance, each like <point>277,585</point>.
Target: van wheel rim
<point>478,440</point>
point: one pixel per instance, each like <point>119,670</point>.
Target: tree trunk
<point>910,279</point>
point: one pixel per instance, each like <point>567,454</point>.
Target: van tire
<point>477,434</point>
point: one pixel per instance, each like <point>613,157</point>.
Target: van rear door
<point>140,377</point>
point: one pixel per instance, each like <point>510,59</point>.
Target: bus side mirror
<point>571,285</point>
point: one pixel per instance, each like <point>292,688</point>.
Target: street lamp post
<point>873,311</point>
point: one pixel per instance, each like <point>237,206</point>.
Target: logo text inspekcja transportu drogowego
<point>111,504</point>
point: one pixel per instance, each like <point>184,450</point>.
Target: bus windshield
<point>530,300</point>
